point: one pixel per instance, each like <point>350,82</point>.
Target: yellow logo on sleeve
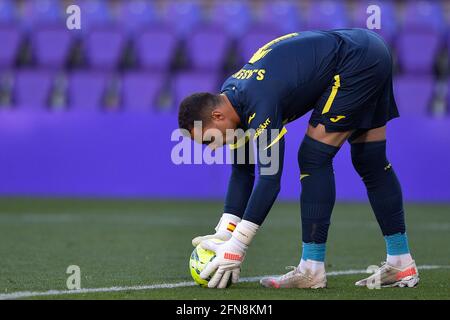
<point>251,118</point>
<point>264,50</point>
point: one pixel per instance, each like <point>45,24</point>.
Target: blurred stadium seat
<point>8,11</point>
<point>389,17</point>
<point>134,15</point>
<point>183,15</point>
<point>207,47</point>
<point>414,94</point>
<point>86,90</point>
<point>234,16</point>
<point>155,48</point>
<point>104,48</point>
<point>32,89</point>
<point>51,46</point>
<point>420,15</point>
<point>42,12</point>
<point>415,60</point>
<point>9,50</point>
<point>285,15</point>
<point>186,83</point>
<point>140,90</point>
<point>95,13</point>
<point>327,14</point>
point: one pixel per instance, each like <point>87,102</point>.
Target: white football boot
<point>390,276</point>
<point>296,279</point>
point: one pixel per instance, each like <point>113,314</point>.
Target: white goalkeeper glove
<point>229,255</point>
<point>224,229</point>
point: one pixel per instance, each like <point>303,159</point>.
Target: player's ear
<point>217,115</point>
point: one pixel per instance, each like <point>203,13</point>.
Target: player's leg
<point>385,195</point>
<point>315,159</point>
<point>317,200</point>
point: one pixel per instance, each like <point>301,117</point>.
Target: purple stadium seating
<point>413,94</point>
<point>10,43</point>
<point>6,89</point>
<point>41,12</point>
<point>448,45</point>
<point>136,14</point>
<point>95,13</point>
<point>389,17</point>
<point>155,48</point>
<point>448,99</point>
<point>183,15</point>
<point>86,90</point>
<point>51,46</point>
<point>327,14</point>
<point>420,15</point>
<point>417,51</point>
<point>233,15</point>
<point>32,89</point>
<point>186,83</point>
<point>140,90</point>
<point>8,11</point>
<point>207,48</point>
<point>253,40</point>
<point>283,15</point>
<point>104,47</point>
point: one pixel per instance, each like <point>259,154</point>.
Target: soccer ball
<point>199,259</point>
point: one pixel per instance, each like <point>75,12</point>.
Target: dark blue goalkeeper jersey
<point>344,76</point>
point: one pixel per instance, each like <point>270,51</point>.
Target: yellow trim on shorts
<point>334,90</point>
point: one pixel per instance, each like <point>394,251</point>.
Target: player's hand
<point>226,264</point>
<point>229,255</point>
<point>224,235</point>
<point>224,229</point>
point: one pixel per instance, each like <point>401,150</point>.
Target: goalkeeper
<point>345,78</point>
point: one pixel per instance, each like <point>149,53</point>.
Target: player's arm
<point>242,178</point>
<point>270,168</point>
<point>240,187</point>
<point>270,145</point>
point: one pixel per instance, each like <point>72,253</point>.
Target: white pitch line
<point>29,294</point>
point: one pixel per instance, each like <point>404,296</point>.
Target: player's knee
<point>370,157</point>
<point>314,155</point>
<point>370,161</point>
<point>359,159</point>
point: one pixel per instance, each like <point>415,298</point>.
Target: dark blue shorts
<point>360,97</point>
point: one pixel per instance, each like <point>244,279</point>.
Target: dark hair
<point>196,107</point>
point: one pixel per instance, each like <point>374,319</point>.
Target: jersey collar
<point>232,95</point>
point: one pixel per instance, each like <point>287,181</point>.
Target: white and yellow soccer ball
<point>199,259</point>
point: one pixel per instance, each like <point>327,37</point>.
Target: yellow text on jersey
<point>245,74</point>
<point>261,128</point>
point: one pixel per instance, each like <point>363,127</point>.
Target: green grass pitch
<point>134,243</point>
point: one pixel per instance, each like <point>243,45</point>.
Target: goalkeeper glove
<point>229,255</point>
<point>224,229</point>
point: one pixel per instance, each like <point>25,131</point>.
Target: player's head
<point>215,114</point>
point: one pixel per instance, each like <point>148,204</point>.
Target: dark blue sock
<point>318,189</point>
<point>383,187</point>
